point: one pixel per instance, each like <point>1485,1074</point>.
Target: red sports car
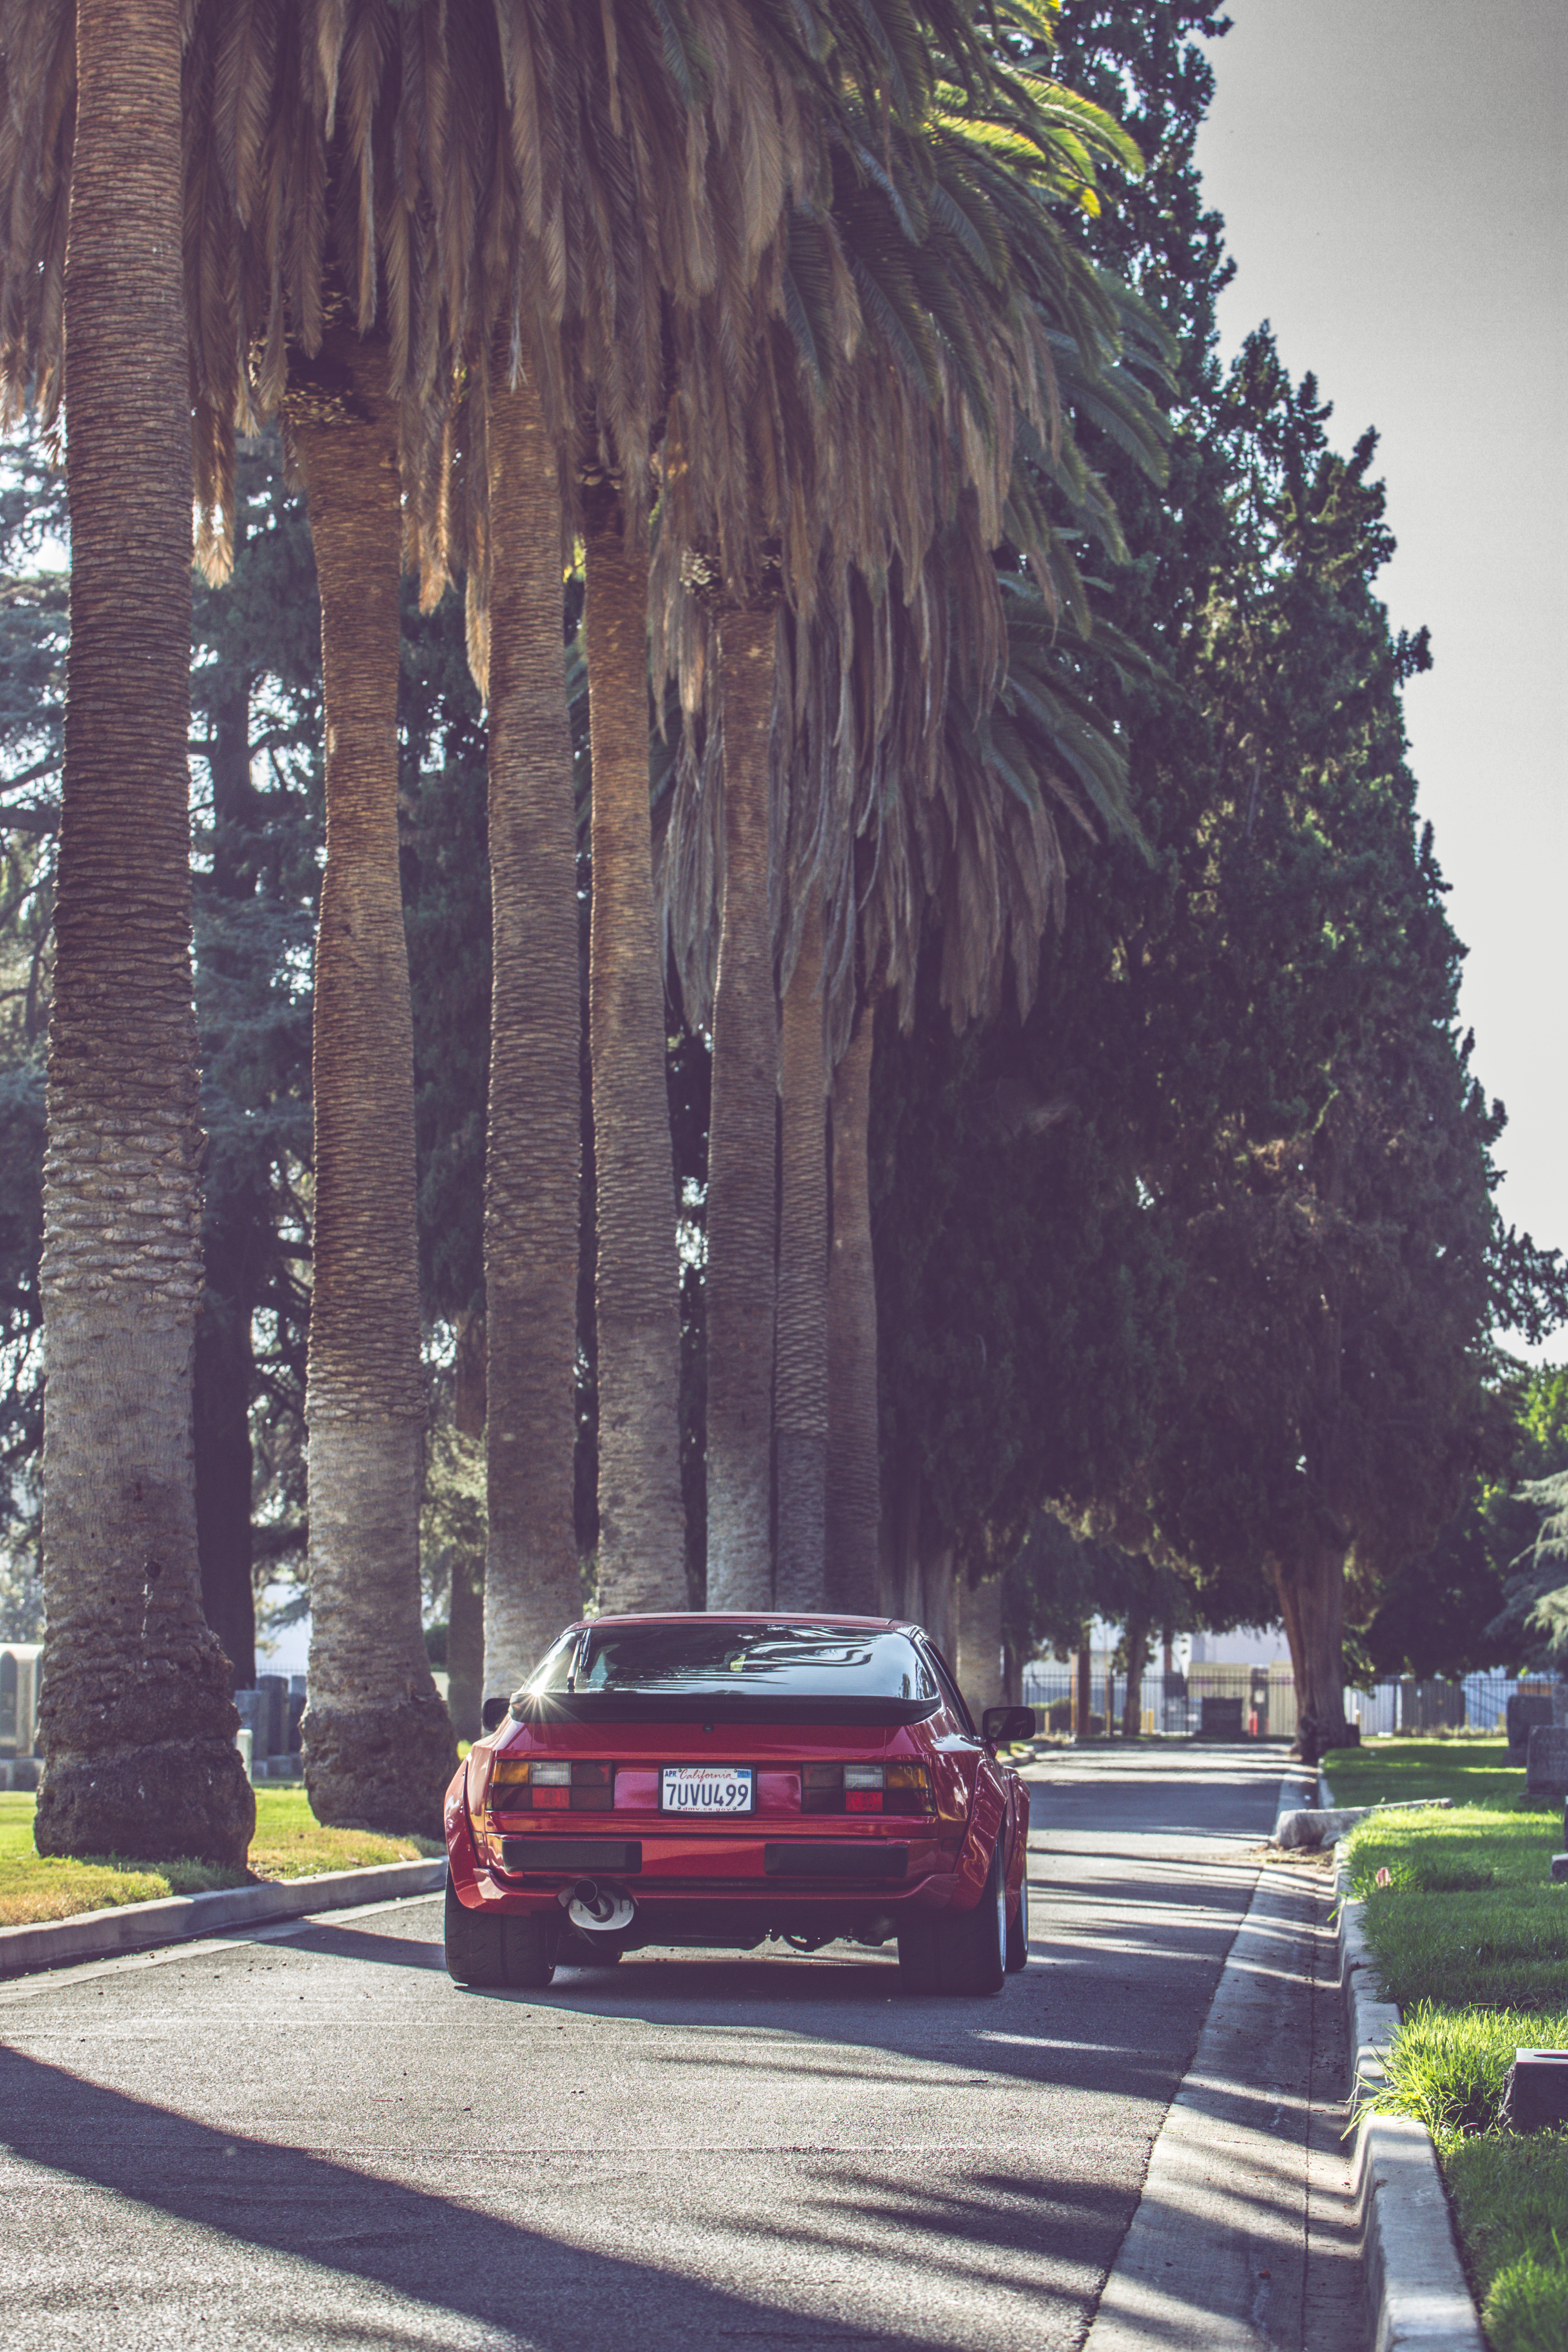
<point>723,1779</point>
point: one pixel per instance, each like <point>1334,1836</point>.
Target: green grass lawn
<point>1470,1914</point>
<point>289,1842</point>
<point>1470,1937</point>
<point>1511,2198</point>
<point>1383,1771</point>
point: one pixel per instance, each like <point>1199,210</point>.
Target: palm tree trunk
<point>800,1373</point>
<point>466,1599</point>
<point>533,1144</point>
<point>899,1592</point>
<point>854,1510</point>
<point>742,1142</point>
<point>980,1678</point>
<point>377,1741</point>
<point>138,1724</point>
<point>938,1612</point>
<point>642,1520</point>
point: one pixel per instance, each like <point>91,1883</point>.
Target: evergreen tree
<point>256,728</point>
<point>33,635</point>
<point>1218,1211</point>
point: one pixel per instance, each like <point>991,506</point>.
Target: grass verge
<point>289,1842</point>
<point>1473,1771</point>
<point>1470,1937</point>
<point>1511,2200</point>
<point>1468,1914</point>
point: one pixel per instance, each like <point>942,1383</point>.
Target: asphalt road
<point>307,2136</point>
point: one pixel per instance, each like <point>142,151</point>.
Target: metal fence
<point>1241,1702</point>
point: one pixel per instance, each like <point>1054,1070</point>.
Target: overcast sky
<point>1393,176</point>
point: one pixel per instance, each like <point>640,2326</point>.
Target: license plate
<point>706,1788</point>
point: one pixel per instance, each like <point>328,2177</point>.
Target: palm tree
<point>642,1519</point>
<point>876,55</point>
<point>532,1150</point>
<point>137,1720</point>
<point>889,346</point>
<point>641,120</point>
<point>802,1400</point>
<point>852,1501</point>
<point>610,115</point>
<point>483,167</point>
<point>366,182</point>
<point>743,1194</point>
<point>378,1743</point>
<point>978,311</point>
<point>748,168</point>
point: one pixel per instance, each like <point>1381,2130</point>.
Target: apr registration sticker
<point>706,1788</point>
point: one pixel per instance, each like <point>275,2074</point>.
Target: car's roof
<point>750,1617</point>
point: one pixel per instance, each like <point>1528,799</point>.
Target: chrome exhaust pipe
<point>597,1910</point>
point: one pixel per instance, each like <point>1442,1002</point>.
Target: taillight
<point>550,1784</point>
<point>865,1789</point>
<point>906,1790</point>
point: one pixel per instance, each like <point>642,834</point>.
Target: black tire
<point>475,1953</point>
<point>971,1948</point>
<point>533,1943</point>
<point>1018,1929</point>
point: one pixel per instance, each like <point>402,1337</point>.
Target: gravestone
<point>1546,1762</point>
<point>253,1706</point>
<point>276,1687</point>
<point>1525,1709</point>
<point>1535,2090</point>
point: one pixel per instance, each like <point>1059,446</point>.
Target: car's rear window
<point>727,1660</point>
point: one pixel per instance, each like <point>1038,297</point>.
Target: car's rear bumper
<point>718,1886</point>
<point>818,1858</point>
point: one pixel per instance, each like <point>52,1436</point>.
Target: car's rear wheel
<point>1018,1929</point>
<point>476,1952</point>
<point>533,1943</point>
<point>973,1947</point>
<point>489,1949</point>
<point>966,1953</point>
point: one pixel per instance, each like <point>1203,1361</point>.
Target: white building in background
<point>1249,1645</point>
<point>287,1649</point>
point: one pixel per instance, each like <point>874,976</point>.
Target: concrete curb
<point>1301,1791</point>
<point>133,1926</point>
<point>1417,2294</point>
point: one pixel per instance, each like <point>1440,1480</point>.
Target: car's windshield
<point>719,1660</point>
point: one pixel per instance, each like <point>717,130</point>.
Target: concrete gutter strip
<point>1417,2294</point>
<point>1215,2258</point>
<point>134,1926</point>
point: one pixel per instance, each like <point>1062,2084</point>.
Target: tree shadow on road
<point>520,2284</point>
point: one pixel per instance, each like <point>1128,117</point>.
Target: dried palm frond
<point>441,172</point>
<point>920,345</point>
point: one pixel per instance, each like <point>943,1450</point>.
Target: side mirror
<point>1001,1723</point>
<point>494,1713</point>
